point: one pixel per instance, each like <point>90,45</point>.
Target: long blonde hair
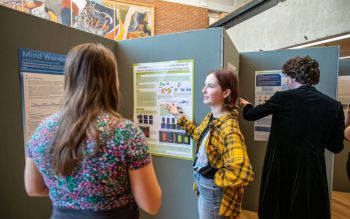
<point>90,86</point>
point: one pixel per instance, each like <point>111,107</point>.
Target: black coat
<point>294,180</point>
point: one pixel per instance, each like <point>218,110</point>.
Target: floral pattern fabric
<point>101,181</point>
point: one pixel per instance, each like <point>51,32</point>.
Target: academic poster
<point>41,86</point>
<point>267,83</point>
<point>155,85</point>
<point>344,93</point>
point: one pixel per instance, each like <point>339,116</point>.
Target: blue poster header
<point>268,80</point>
<point>41,62</point>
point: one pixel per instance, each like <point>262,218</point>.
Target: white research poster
<point>155,85</point>
<point>267,83</point>
<point>41,86</point>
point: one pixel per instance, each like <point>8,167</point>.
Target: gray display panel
<point>20,30</point>
<point>205,48</point>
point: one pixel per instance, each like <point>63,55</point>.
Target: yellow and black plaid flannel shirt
<point>227,152</point>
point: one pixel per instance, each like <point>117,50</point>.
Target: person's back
<point>308,117</point>
<point>304,123</point>
<point>87,158</point>
<point>301,129</point>
<point>101,182</point>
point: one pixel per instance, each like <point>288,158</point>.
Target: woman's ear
<point>226,93</point>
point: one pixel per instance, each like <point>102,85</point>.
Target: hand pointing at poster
<point>173,109</point>
<point>243,102</point>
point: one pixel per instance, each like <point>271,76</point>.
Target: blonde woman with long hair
<point>89,160</point>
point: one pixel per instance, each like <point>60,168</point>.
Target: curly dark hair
<point>304,70</point>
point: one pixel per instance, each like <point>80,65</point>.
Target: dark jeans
<point>129,212</point>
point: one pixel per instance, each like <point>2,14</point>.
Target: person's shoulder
<point>207,117</point>
<point>300,91</point>
<point>329,99</point>
<point>125,124</point>
<point>51,122</point>
<point>230,124</point>
<point>44,132</point>
<point>114,121</point>
<point>128,124</point>
<point>128,129</point>
<point>53,117</point>
<point>116,126</point>
<point>287,92</point>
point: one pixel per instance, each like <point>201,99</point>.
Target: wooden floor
<point>340,207</point>
<point>248,215</point>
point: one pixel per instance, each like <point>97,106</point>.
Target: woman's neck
<point>218,111</point>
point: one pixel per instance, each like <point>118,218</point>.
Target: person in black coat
<point>304,123</point>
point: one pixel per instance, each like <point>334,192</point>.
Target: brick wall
<point>172,17</point>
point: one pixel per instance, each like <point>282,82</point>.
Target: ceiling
<point>344,46</point>
<point>214,5</point>
<point>343,41</point>
<point>230,5</point>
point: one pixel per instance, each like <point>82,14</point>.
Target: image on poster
<point>42,77</point>
<point>344,93</point>
<point>267,83</point>
<point>155,85</point>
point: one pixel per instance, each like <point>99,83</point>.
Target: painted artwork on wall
<point>54,10</point>
<point>14,4</point>
<point>59,11</point>
<point>106,18</point>
<point>96,16</point>
<point>133,21</point>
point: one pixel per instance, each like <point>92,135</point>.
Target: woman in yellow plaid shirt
<point>221,166</point>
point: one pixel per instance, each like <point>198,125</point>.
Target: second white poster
<point>267,83</point>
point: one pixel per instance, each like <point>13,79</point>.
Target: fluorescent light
<point>322,42</point>
<point>345,57</point>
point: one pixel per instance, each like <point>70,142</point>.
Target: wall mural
<point>112,20</point>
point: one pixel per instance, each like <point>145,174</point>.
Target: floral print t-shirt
<point>101,181</point>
